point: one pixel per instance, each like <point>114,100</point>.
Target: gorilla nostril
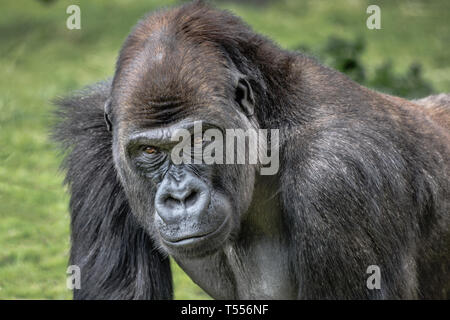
<point>177,202</point>
<point>171,203</point>
<point>192,198</point>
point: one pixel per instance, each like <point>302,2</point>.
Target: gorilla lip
<point>195,238</point>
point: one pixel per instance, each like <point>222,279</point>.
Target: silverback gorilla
<point>363,177</point>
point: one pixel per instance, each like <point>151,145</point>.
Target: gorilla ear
<point>107,110</point>
<point>244,96</point>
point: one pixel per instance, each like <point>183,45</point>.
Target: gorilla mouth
<point>189,238</point>
<point>200,241</point>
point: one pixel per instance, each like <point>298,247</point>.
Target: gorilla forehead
<point>164,70</point>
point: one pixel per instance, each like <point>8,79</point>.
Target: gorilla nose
<point>178,200</point>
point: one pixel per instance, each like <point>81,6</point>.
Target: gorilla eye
<point>149,150</point>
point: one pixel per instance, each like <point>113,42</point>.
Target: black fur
<point>364,176</point>
<point>117,259</point>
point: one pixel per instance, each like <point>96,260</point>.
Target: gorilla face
<point>160,87</point>
<point>189,209</point>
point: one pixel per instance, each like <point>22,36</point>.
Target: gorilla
<point>363,179</point>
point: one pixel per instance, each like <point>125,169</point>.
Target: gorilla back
<point>364,177</point>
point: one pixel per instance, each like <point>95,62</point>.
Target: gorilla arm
<point>117,259</point>
<point>343,200</point>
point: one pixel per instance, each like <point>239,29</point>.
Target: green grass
<point>41,59</point>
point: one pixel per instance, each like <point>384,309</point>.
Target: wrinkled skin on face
<point>188,208</point>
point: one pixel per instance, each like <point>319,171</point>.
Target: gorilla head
<point>165,82</point>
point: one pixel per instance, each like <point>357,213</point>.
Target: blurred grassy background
<point>41,59</point>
